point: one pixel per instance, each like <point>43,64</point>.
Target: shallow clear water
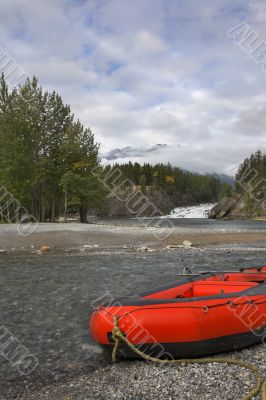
<point>45,300</point>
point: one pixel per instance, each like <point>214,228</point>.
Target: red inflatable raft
<point>207,314</point>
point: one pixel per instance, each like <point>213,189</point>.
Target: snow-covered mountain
<point>200,211</point>
<point>130,151</point>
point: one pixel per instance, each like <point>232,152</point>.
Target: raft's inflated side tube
<point>221,316</point>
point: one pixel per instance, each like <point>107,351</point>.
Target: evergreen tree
<point>251,178</point>
<point>42,150</point>
<point>174,181</point>
<point>143,182</point>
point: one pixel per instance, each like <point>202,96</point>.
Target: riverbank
<point>124,236</point>
<point>46,301</point>
<point>140,380</point>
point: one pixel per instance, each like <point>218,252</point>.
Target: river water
<point>46,301</point>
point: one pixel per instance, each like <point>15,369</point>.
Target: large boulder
<point>239,206</point>
<point>223,208</point>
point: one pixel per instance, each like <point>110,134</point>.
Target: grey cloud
<point>251,122</point>
<point>129,151</point>
<point>160,70</point>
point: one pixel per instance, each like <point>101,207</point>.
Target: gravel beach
<point>140,380</point>
<point>46,302</point>
<point>115,236</point>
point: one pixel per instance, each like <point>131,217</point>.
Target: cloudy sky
<point>145,73</point>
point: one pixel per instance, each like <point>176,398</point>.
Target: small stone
<point>143,248</point>
<point>45,248</point>
<point>187,243</point>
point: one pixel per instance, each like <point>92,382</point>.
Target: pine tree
<point>143,182</point>
<point>41,147</point>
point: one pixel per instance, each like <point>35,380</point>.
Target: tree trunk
<point>43,210</point>
<point>36,203</point>
<point>65,206</point>
<point>83,212</point>
<point>52,219</point>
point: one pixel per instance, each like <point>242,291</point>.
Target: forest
<point>251,180</point>
<point>47,158</point>
<point>173,180</point>
<point>45,155</point>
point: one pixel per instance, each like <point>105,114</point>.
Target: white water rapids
<point>200,211</point>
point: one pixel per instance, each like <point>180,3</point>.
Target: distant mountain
<point>224,178</point>
<point>130,151</point>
